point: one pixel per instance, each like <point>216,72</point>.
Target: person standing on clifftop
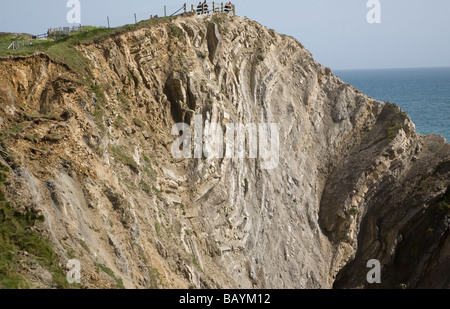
<point>228,7</point>
<point>205,8</point>
<point>199,8</point>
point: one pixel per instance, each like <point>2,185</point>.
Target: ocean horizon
<point>423,93</point>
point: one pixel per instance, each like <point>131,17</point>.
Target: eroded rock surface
<point>354,181</point>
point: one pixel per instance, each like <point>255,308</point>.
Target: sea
<point>423,93</point>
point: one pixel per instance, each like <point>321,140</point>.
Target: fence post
<point>185,7</point>
<point>165,11</point>
<point>221,7</point>
<point>214,7</point>
<point>192,8</point>
<point>108,21</point>
<point>234,9</point>
<point>135,19</point>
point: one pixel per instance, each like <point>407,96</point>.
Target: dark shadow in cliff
<point>181,98</point>
<point>407,233</point>
<point>214,42</point>
<point>350,168</point>
<point>404,218</point>
<point>421,258</point>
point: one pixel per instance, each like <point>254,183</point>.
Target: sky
<point>412,33</point>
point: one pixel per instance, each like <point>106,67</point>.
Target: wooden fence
<point>51,33</point>
<point>20,43</point>
<point>199,9</point>
<point>61,31</point>
<point>214,7</point>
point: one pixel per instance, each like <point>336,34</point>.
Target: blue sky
<point>412,33</point>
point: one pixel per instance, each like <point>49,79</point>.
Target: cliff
<point>86,150</point>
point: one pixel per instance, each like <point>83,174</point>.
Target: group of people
<point>202,8</point>
<point>228,6</point>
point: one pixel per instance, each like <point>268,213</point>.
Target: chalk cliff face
<point>354,181</point>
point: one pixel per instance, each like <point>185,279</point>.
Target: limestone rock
<point>354,180</point>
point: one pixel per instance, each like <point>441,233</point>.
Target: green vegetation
<point>64,49</point>
<point>353,211</point>
<point>99,110</point>
<point>98,91</point>
<point>110,273</point>
<point>55,136</point>
<point>16,237</point>
<point>98,116</point>
<point>156,191</point>
<point>119,123</point>
<point>130,76</point>
<point>197,264</point>
<point>145,186</point>
<point>123,101</point>
<point>6,134</point>
<point>68,54</point>
<point>120,155</point>
<point>37,116</point>
<point>146,159</point>
<point>175,31</point>
<point>152,38</point>
<point>183,209</point>
<point>71,253</point>
<point>148,169</point>
<point>396,122</point>
<point>19,127</point>
<point>444,205</point>
<point>218,20</point>
<point>392,130</point>
<point>400,114</point>
<point>157,228</point>
<point>138,123</point>
<point>85,246</point>
<point>155,277</point>
<point>150,172</point>
<point>7,38</point>
<point>34,138</point>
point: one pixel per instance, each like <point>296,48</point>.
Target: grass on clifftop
<point>63,49</point>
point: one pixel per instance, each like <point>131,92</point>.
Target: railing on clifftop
<point>207,8</point>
